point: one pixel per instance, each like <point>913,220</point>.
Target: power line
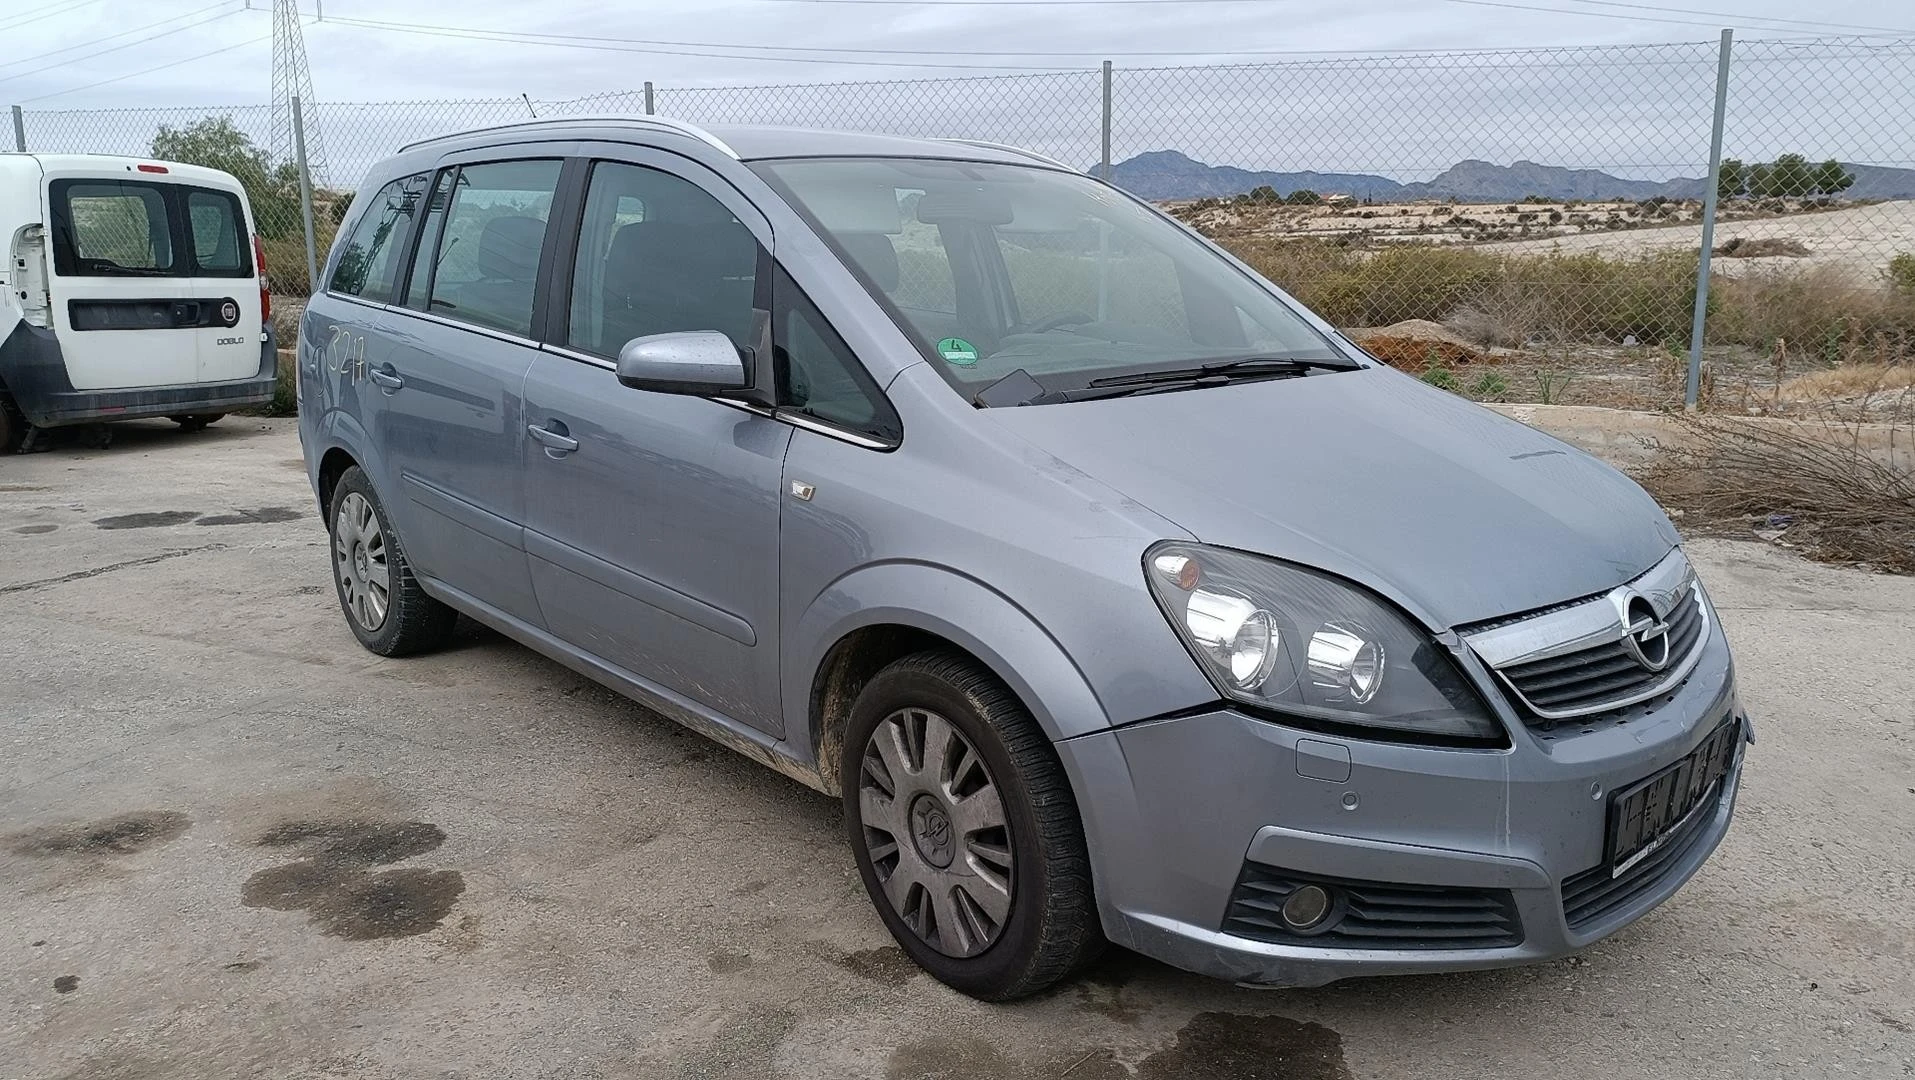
<point>112,37</point>
<point>148,71</point>
<point>59,9</point>
<point>1814,24</point>
<point>1608,15</point>
<point>599,44</point>
<point>125,45</point>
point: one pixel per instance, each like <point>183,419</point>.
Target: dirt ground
<point>232,844</point>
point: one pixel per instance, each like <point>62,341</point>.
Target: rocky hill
<point>1170,174</point>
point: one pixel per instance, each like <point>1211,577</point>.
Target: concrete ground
<point>232,844</point>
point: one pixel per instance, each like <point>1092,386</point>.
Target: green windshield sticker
<point>956,350</point>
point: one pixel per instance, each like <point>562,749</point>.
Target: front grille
<point>1374,915</point>
<point>1589,679</point>
<point>1592,896</point>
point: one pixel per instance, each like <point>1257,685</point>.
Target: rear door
<point>142,298</point>
<point>219,246</point>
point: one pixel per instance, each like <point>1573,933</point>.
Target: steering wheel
<point>1055,322</point>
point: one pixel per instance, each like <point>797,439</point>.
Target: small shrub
<point>1552,385</point>
<point>1440,376</point>
<point>1901,273</point>
<point>1743,247</point>
<point>1489,386</point>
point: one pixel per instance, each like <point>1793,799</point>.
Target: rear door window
<point>217,227</point>
<point>488,258</point>
<point>111,228</point>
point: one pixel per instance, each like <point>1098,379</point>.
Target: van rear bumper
<point>34,372</point>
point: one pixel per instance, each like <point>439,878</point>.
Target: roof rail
<point>1009,149</point>
<point>656,123</point>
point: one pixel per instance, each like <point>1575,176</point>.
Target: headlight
<point>1310,645</point>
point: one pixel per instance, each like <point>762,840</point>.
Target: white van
<point>133,288</point>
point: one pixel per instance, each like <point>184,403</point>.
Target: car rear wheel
<point>385,607</point>
<point>965,829</point>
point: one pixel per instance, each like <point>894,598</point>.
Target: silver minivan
<point>1118,597</point>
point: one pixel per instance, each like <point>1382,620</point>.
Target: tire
<point>199,422</point>
<point>13,425</point>
<point>994,911</point>
<point>381,598</point>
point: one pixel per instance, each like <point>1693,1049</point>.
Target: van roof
<point>14,165</point>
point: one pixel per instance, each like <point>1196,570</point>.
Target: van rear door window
<point>112,227</point>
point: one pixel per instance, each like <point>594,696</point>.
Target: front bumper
<point>1178,810</point>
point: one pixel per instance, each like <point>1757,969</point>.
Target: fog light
<point>1306,908</point>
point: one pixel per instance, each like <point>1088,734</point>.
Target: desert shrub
<point>1901,273</point>
<point>1840,498</point>
<point>1809,308</point>
<point>1489,386</point>
<point>1744,247</point>
<point>1440,376</point>
<point>1562,296</point>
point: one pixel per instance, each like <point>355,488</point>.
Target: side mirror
<point>687,362</point>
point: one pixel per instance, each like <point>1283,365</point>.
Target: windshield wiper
<point>1230,367</point>
<point>109,268</point>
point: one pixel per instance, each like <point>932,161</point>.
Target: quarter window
<point>488,251</point>
<point>658,254</point>
<point>369,262</point>
<point>817,373</point>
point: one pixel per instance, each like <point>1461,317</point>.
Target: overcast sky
<point>1636,112</point>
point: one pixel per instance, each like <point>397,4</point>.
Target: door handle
<point>553,440</point>
<point>391,380</point>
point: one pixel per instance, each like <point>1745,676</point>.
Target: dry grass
<point>1838,494</point>
<point>1848,381</point>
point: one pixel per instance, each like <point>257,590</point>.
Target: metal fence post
<point>19,130</point>
<point>648,97</point>
<point>1104,165</point>
<point>305,196</point>
<point>1710,195</point>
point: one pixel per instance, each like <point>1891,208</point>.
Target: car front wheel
<point>965,829</point>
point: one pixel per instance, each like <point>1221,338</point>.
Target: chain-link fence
<point>1540,207</point>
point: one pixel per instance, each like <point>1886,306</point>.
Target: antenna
<point>292,78</point>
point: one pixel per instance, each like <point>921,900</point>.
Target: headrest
<point>874,255</point>
<point>716,249</point>
<point>509,248</point>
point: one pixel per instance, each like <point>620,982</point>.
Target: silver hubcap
<point>359,561</point>
<point>935,828</point>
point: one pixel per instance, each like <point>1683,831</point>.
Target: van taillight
<point>152,168</point>
<point>265,291</point>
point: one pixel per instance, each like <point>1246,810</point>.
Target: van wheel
<point>385,607</point>
<point>197,423</point>
<point>965,830</point>
<point>13,426</point>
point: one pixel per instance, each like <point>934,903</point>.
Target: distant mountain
<point>1169,174</point>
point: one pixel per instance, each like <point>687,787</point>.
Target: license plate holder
<point>1643,816</point>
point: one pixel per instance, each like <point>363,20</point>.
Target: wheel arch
<point>881,613</point>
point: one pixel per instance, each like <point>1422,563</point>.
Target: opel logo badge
<point>1646,636</point>
<point>229,313</point>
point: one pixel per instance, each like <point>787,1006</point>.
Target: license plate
<point>1643,817</point>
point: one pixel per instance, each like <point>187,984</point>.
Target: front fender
<point>956,607</point>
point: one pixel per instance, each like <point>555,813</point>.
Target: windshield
<point>996,269</point>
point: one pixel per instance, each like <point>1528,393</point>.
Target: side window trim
<point>415,235</point>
